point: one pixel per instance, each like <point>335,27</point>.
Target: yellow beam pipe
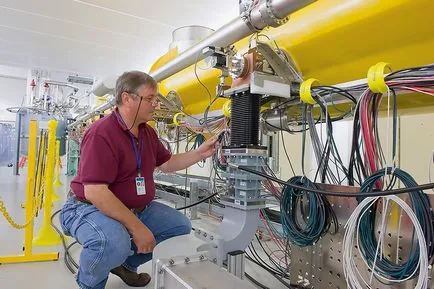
<point>335,41</point>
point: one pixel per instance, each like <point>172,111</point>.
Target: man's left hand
<point>207,149</point>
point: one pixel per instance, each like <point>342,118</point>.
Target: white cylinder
<point>105,85</point>
<point>186,36</point>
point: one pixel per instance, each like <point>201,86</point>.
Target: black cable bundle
<point>417,79</point>
<point>69,260</point>
<point>356,170</point>
<point>368,242</point>
<point>318,218</point>
<point>330,152</point>
<point>270,265</point>
<point>373,193</point>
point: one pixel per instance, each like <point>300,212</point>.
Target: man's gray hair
<point>131,82</point>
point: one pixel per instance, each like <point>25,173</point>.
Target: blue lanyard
<point>137,151</point>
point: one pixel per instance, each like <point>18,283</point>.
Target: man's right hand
<point>144,239</point>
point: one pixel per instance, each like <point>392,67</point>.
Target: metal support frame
<point>242,205</point>
<point>17,153</point>
<point>283,68</point>
<point>320,265</point>
<point>195,272</point>
<point>194,197</point>
<point>178,264</point>
<point>263,83</point>
<point>236,263</point>
<point>244,188</point>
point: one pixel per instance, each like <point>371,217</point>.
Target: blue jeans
<point>106,242</point>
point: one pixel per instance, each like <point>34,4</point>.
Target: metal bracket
<point>162,266</point>
<point>280,66</point>
<point>236,263</point>
<point>283,83</point>
<point>267,84</point>
<point>172,101</point>
<point>214,245</point>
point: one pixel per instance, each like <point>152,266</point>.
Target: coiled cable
<point>317,219</point>
<point>362,223</point>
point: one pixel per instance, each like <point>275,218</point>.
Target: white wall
<point>293,147</point>
<point>417,144</point>
<point>12,92</point>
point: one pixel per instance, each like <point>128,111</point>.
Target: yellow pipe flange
<point>305,91</point>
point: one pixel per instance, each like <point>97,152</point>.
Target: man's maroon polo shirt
<point>107,157</point>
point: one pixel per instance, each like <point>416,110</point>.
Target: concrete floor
<point>55,274</point>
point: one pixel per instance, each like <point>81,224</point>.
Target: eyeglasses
<point>153,102</point>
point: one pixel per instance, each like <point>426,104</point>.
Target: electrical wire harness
<point>384,269</point>
<point>318,218</point>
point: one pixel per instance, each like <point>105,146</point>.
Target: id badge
<point>140,186</point>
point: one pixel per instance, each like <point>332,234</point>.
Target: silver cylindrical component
<point>104,85</point>
<point>274,121</point>
<point>273,12</point>
<point>99,109</point>
<point>282,8</point>
<point>238,66</point>
<point>226,35</point>
<point>186,36</point>
<point>236,263</point>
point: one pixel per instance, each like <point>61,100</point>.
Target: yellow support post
<point>57,182</point>
<point>40,173</point>
<point>47,236</point>
<point>28,234</point>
